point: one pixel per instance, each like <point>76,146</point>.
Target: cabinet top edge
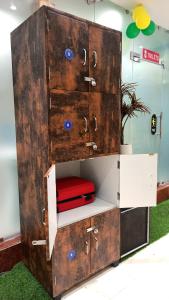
<point>45,9</point>
<point>55,10</point>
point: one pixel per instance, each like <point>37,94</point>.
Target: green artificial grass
<point>19,284</point>
<point>159,221</point>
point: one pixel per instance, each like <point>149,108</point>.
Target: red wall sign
<point>151,56</point>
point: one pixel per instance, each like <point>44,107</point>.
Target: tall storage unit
<point>66,74</point>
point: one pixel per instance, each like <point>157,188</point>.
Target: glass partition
<point>153,89</point>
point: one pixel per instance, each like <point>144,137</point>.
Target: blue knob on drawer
<point>69,54</point>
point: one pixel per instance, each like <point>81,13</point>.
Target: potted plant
<point>130,105</point>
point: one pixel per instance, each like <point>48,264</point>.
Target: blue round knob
<point>69,54</point>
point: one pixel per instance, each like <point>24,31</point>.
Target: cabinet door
<point>50,210</point>
<point>69,125</point>
<point>105,245</point>
<point>71,259</point>
<point>138,180</point>
<point>105,59</point>
<point>104,123</point>
<point>67,53</point>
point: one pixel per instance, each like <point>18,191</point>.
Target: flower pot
<point>126,149</point>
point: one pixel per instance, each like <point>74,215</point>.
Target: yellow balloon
<point>143,21</point>
<point>139,9</point>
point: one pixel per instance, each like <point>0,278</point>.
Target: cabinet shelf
<point>83,212</point>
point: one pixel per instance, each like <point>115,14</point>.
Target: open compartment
<point>120,181</point>
<point>104,173</point>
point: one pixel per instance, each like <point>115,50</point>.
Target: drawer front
<point>71,259</point>
<point>105,245</point>
<point>69,125</point>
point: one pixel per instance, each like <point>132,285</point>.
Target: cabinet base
<point>115,264</point>
<point>58,297</point>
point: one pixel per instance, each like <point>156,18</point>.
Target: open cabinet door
<point>51,212</point>
<point>138,180</point>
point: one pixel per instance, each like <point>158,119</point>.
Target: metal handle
<point>87,247</point>
<point>86,124</point>
<point>95,59</point>
<point>92,144</point>
<point>43,216</point>
<point>91,80</point>
<point>96,125</point>
<point>85,56</point>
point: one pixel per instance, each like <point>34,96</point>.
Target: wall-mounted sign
<point>153,124</point>
<point>151,56</point>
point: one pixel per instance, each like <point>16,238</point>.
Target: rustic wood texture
<point>104,116</point>
<point>68,144</point>
<point>108,238</point>
<point>107,73</point>
<point>134,229</point>
<point>67,33</point>
<point>39,65</point>
<point>31,107</point>
<point>10,253</point>
<point>69,272</point>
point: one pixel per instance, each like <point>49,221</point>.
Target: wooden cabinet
<point>83,248</point>
<point>66,109</point>
<point>79,51</point>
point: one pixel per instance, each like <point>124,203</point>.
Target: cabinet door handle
<point>43,216</point>
<point>85,56</point>
<point>95,59</point>
<point>86,124</point>
<point>96,243</point>
<point>87,247</point>
<point>96,124</point>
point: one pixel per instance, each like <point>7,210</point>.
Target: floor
<point>143,276</point>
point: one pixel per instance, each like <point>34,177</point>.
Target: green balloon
<point>150,29</point>
<point>132,31</point>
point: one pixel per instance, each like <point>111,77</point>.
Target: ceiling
<point>157,9</point>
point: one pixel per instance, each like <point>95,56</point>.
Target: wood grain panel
<point>10,253</point>
<point>69,271</point>
<point>108,236</point>
<point>107,73</point>
<point>67,33</point>
<point>106,109</point>
<point>73,107</point>
<point>31,116</point>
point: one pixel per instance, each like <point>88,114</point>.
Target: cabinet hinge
<point>118,196</point>
<point>39,243</point>
<point>118,164</point>
<point>55,281</point>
